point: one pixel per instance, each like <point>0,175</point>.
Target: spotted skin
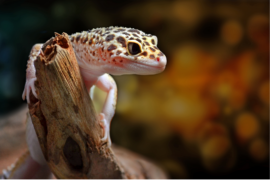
<point>114,40</point>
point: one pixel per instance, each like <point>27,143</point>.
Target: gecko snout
<point>162,61</point>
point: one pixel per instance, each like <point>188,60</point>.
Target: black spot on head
<point>122,41</point>
<point>160,54</point>
<point>112,47</point>
<point>119,30</point>
<point>144,38</point>
<point>153,41</point>
<point>90,41</point>
<point>152,56</point>
<point>147,43</point>
<point>134,30</point>
<point>138,40</point>
<point>126,53</point>
<point>144,53</point>
<point>152,49</point>
<point>97,38</point>
<point>105,33</point>
<point>135,35</point>
<point>109,37</point>
<point>155,47</point>
<point>86,39</point>
<point>78,38</point>
<point>118,52</point>
<point>126,33</point>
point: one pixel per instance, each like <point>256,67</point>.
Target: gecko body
<point>100,52</point>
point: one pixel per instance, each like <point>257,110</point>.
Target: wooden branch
<point>67,126</point>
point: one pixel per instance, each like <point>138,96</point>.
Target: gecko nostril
<point>162,60</point>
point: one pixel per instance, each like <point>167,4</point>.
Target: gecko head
<point>131,51</point>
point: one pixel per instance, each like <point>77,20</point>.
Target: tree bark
<point>67,126</point>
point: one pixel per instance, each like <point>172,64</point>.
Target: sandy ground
<point>12,137</point>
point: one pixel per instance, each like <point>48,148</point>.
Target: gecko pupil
<point>133,48</point>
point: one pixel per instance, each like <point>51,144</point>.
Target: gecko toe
<point>29,85</point>
<point>106,129</point>
<point>33,87</point>
<point>28,94</point>
<point>105,137</point>
<point>23,94</point>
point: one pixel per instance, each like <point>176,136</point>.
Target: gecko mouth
<point>156,66</point>
<point>161,64</point>
<point>142,67</point>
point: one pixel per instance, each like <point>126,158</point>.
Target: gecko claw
<point>106,129</point>
<point>29,85</point>
<point>33,86</point>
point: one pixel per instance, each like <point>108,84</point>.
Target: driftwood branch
<point>67,126</point>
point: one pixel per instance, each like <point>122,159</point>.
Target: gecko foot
<point>29,85</point>
<point>106,129</point>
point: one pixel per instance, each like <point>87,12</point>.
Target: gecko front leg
<point>107,84</point>
<point>31,73</point>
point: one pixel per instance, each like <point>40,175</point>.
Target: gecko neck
<point>88,50</point>
<point>90,72</point>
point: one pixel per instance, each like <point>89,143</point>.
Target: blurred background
<point>205,116</point>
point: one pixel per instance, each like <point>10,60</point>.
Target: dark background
<point>205,116</point>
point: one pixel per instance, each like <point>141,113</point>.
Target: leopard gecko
<point>99,52</point>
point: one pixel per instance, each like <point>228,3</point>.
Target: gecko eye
<point>134,48</point>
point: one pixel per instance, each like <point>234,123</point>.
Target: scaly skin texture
<point>100,52</point>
